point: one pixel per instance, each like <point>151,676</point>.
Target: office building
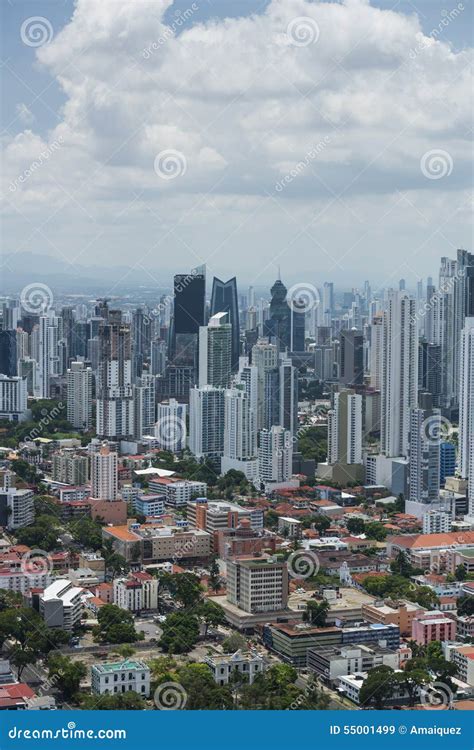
<point>423,455</point>
<point>170,428</point>
<point>351,357</point>
<point>8,353</point>
<point>259,585</point>
<point>224,299</point>
<point>60,605</point>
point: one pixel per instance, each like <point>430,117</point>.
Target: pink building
<point>433,626</point>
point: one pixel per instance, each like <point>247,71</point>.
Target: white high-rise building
<point>170,427</point>
<point>240,437</point>
<point>345,428</point>
<point>264,358</point>
<point>275,455</point>
<point>206,422</point>
<point>215,352</point>
<point>466,410</point>
<point>376,353</point>
<point>13,398</point>
<point>144,406</point>
<point>48,353</point>
<point>79,395</point>
<point>104,474</point>
<point>399,373</point>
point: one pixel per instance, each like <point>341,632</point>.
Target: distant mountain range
<point>19,269</point>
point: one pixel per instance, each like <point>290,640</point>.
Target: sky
<point>330,139</point>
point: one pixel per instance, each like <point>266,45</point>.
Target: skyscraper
<point>206,423</point>
<point>240,437</point>
<point>48,356</point>
<point>114,381</point>
<point>275,455</point>
<point>466,410</point>
<point>351,357</point>
<point>345,428</point>
<point>424,455</point>
<point>224,299</point>
<point>104,474</point>
<point>8,353</point>
<point>189,294</point>
<point>79,395</point>
<point>215,352</point>
<point>265,358</point>
<point>400,372</point>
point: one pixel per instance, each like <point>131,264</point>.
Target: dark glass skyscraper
<point>8,353</point>
<point>224,299</point>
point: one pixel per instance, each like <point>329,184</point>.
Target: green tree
<point>316,613</point>
<point>210,613</point>
<point>214,575</point>
<point>234,642</point>
<point>129,701</point>
<point>185,588</point>
<point>115,625</point>
<point>460,573</point>
<point>378,687</point>
<point>32,639</point>
<point>202,691</point>
<point>356,525</point>
<point>67,674</point>
<point>180,633</point>
<point>412,680</point>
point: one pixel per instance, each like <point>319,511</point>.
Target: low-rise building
<point>60,605</point>
<point>433,626</point>
<point>292,640</point>
<point>463,657</point>
<point>120,677</point>
<point>178,492</point>
<point>388,612</point>
<point>289,527</point>
<point>149,505</point>
<point>331,662</point>
<point>246,663</point>
<point>137,592</point>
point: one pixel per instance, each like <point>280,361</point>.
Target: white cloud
<point>242,105</point>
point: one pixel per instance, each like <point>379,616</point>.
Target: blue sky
<point>310,156</point>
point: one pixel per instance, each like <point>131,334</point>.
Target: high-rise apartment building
<point>345,428</point>
<point>215,352</point>
<point>79,395</point>
<point>115,416</point>
<point>206,423</point>
<point>466,409</point>
<point>400,372</point>
<point>104,474</point>
<point>275,455</point>
<point>423,455</point>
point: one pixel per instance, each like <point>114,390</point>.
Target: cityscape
<point>226,502</point>
<point>237,359</point>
